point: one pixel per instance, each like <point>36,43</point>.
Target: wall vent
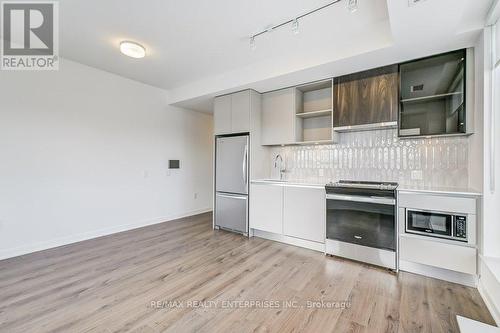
<point>418,87</point>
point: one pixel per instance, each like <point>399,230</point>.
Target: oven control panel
<point>460,226</point>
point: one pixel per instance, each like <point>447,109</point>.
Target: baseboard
<point>370,255</point>
<point>288,240</point>
<point>18,251</point>
<point>489,288</point>
<point>438,273</point>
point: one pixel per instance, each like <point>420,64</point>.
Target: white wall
<point>489,233</point>
<point>476,141</point>
<point>491,199</point>
<point>84,153</point>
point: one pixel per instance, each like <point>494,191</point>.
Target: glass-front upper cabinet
<point>433,95</point>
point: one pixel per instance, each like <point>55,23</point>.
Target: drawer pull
<point>358,237</point>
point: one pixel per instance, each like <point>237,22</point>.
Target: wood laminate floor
<point>150,280</point>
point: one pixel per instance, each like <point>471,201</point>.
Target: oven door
<point>367,221</point>
<point>429,223</point>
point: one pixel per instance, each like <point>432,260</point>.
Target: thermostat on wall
<point>173,164</point>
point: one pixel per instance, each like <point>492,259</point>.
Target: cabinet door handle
<point>358,237</point>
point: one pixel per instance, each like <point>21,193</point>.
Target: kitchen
<point>369,166</point>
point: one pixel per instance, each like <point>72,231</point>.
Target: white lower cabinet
<point>266,207</point>
<point>453,257</point>
<point>304,213</point>
<point>450,260</point>
<point>288,211</point>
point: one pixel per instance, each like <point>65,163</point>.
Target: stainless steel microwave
<point>437,224</point>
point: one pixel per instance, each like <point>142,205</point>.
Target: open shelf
<point>430,98</point>
<point>314,110</point>
<point>317,85</point>
<point>311,114</point>
<point>318,142</point>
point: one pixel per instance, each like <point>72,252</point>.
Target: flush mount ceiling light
<point>132,49</point>
<point>352,6</point>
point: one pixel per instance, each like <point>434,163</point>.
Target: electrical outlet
<point>196,195</point>
<point>145,174</point>
<point>416,175</point>
<point>321,172</point>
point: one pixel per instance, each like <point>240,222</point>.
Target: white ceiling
<point>199,48</point>
<point>193,39</point>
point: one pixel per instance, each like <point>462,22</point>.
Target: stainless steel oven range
<point>361,222</point>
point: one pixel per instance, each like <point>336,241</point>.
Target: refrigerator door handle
<point>245,160</point>
<point>232,196</point>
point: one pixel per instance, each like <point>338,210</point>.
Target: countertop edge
<point>287,183</point>
<point>457,192</point>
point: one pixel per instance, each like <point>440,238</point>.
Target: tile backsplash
<point>380,156</point>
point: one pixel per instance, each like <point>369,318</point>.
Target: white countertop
<point>419,189</point>
<point>287,183</point>
<point>441,190</point>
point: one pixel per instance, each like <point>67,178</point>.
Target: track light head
<point>253,46</point>
<point>295,26</point>
<point>352,5</point>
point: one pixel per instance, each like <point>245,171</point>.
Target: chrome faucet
<point>281,165</point>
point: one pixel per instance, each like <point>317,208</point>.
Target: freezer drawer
<point>231,212</point>
<point>231,165</point>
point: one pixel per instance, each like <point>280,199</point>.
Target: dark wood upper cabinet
<point>368,97</point>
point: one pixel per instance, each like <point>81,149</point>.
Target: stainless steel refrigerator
<point>231,183</point>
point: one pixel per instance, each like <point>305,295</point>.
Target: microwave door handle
<point>452,226</point>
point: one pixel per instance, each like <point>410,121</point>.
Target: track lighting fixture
<point>352,6</point>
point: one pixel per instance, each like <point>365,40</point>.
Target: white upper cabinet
<point>222,115</point>
<point>278,117</point>
<point>232,113</point>
<point>304,213</point>
<point>240,111</point>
